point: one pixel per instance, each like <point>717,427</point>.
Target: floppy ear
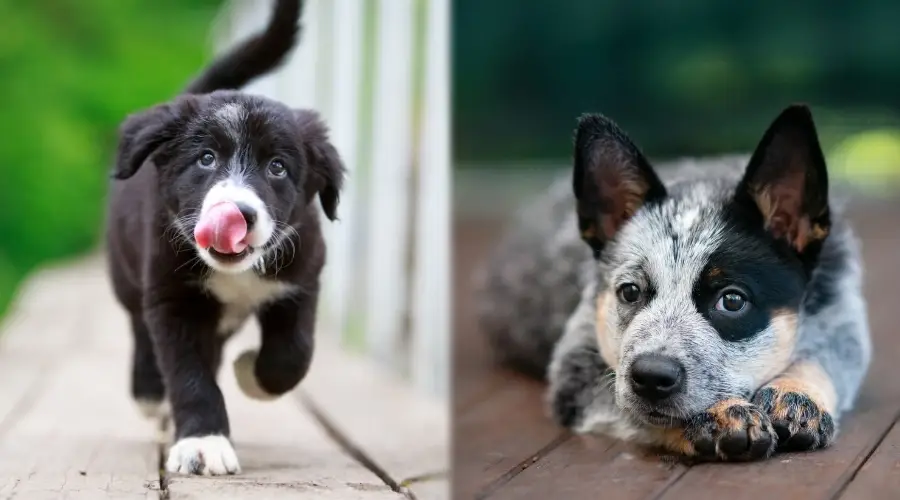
<point>326,170</point>
<point>786,181</point>
<point>611,180</point>
<point>141,134</point>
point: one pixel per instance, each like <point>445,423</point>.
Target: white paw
<point>209,456</point>
<point>246,379</point>
<point>153,409</point>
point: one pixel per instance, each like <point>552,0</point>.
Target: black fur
<point>160,282</point>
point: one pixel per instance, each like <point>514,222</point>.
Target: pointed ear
<point>611,180</point>
<point>786,181</point>
<point>143,133</point>
<point>326,170</point>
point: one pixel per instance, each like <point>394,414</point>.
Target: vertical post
<point>431,320</point>
<point>295,83</point>
<point>389,182</point>
<point>346,31</point>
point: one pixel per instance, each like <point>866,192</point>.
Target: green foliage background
<point>70,70</point>
<point>682,77</point>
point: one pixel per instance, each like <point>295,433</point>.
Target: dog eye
<point>207,159</point>
<point>276,169</point>
<point>629,292</point>
<point>731,302</point>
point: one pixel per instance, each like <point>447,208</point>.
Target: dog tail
<point>256,56</point>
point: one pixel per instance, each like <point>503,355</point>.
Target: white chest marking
<point>242,294</point>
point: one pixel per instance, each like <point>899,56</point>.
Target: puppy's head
<point>234,171</point>
<point>699,286</point>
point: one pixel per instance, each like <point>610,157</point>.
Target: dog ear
<point>786,181</point>
<point>611,179</point>
<point>141,134</point>
<point>326,170</point>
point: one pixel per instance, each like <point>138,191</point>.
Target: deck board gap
<point>346,444</point>
<point>522,466</point>
<point>844,482</point>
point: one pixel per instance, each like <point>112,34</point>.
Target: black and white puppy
<point>212,220</point>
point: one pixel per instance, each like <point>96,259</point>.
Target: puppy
<point>716,312</point>
<point>212,219</point>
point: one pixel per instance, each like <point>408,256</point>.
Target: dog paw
<point>208,455</point>
<point>245,374</point>
<point>733,430</point>
<point>800,423</point>
<point>565,406</point>
<point>574,381</point>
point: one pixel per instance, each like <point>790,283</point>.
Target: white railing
<point>386,284</point>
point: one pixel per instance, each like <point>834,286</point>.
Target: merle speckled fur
<point>686,235</point>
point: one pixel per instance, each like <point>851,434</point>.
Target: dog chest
<point>241,294</point>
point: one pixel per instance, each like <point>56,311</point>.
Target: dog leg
<point>732,430</point>
<point>802,403</point>
<point>286,352</point>
<point>581,392</point>
<point>186,347</point>
<point>147,386</point>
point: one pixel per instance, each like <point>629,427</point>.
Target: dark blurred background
<point>70,70</point>
<point>689,77</point>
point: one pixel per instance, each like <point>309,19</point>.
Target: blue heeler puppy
<point>716,312</point>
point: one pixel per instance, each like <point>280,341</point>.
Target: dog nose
<point>249,215</point>
<point>655,377</point>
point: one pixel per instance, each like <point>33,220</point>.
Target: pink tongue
<point>223,228</point>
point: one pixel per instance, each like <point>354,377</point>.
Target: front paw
<point>566,403</point>
<point>575,380</point>
<point>208,455</point>
<point>733,430</point>
<point>800,423</point>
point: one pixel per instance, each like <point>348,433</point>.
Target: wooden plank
<point>583,466</point>
<point>474,375</point>
<point>499,417</point>
<point>74,433</point>
<point>404,433</point>
<point>879,477</point>
<point>432,489</point>
<point>283,451</point>
<point>500,434</point>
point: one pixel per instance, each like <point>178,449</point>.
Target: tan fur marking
<point>784,323</point>
<point>609,349</point>
<point>674,440</point>
<point>714,272</point>
<point>719,412</point>
<point>807,378</point>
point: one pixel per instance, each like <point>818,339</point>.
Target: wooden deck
<point>68,428</point>
<point>505,447</point>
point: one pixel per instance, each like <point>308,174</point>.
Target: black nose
<point>655,377</point>
<point>248,213</point>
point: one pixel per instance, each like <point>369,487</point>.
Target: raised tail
<point>256,56</point>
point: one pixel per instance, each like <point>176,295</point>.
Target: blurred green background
<point>691,77</point>
<point>70,70</point>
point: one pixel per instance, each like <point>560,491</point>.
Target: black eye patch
<point>748,266</point>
